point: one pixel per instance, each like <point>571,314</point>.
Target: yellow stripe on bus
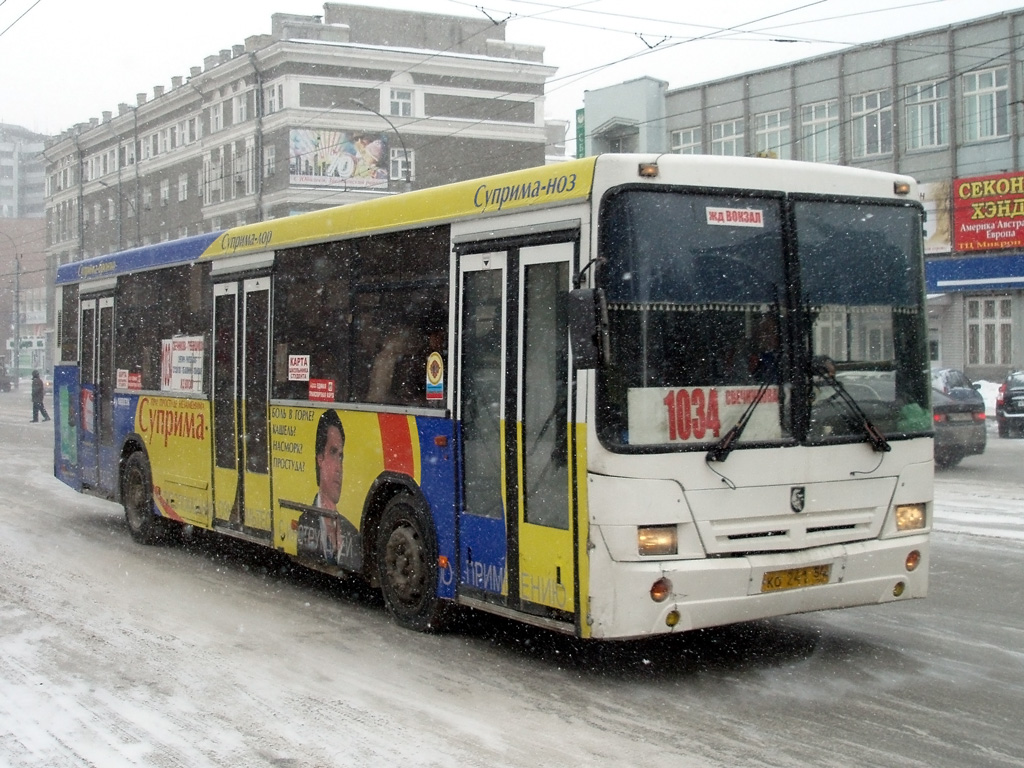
<point>549,185</point>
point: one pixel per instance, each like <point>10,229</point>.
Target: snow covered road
<point>219,654</point>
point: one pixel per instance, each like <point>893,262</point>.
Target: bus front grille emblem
<point>797,496</point>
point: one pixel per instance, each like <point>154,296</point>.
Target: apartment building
<point>323,111</point>
<point>21,173</point>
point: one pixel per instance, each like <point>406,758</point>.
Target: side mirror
<point>588,328</point>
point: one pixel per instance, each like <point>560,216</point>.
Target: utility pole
<point>17,308</point>
<point>17,321</point>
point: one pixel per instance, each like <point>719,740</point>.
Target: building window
<point>727,138</point>
<point>240,108</point>
<point>927,106</point>
<point>819,132</point>
<point>111,211</point>
<point>401,168</point>
<point>250,166</point>
<point>687,141</point>
<point>182,187</point>
<point>165,191</point>
<point>401,102</point>
<point>986,104</point>
<point>871,129</point>
<point>624,143</point>
<point>989,331</point>
<point>771,132</point>
<point>273,99</point>
<point>269,160</point>
<point>217,117</point>
<point>147,199</point>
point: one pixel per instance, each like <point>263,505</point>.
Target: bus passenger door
<point>546,525</point>
<point>241,353</point>
<point>480,411</point>
<point>96,454</point>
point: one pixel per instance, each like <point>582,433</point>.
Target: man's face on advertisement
<point>329,463</point>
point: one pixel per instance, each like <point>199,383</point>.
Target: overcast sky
<point>64,61</point>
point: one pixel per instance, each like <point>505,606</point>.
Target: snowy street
<point>215,653</point>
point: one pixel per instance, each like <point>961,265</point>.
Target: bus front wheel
<point>137,498</point>
<point>407,565</point>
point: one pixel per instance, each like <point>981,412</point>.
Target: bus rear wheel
<point>137,499</point>
<point>407,565</point>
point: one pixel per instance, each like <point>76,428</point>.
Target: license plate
<point>794,578</point>
<point>960,417</point>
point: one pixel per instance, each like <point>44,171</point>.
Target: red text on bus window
<point>692,412</point>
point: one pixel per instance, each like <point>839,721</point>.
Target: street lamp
<point>406,168</point>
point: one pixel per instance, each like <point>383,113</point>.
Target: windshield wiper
<point>720,451</point>
<point>825,368</point>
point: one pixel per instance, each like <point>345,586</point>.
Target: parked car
<point>1010,405</point>
<point>959,428</point>
<point>955,384</point>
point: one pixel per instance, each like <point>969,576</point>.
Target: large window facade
<point>727,138</point>
<point>989,331</point>
<point>986,104</point>
<point>687,141</point>
<point>819,132</point>
<point>772,134</point>
<point>871,128</point>
<point>927,115</point>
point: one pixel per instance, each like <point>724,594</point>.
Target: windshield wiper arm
<point>825,368</point>
<point>720,451</point>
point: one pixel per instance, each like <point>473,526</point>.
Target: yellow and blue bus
<point>616,397</point>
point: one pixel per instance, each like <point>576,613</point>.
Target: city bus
<point>615,397</point>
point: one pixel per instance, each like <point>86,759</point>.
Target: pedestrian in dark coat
<point>38,392</point>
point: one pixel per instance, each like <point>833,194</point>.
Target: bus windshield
<point>802,317</point>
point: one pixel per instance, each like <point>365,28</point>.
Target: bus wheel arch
<point>405,563</point>
<point>136,496</point>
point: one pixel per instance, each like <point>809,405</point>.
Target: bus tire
<point>407,565</point>
<point>137,499</point>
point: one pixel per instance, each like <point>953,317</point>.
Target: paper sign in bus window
<point>735,217</point>
<point>181,364</point>
<point>660,415</point>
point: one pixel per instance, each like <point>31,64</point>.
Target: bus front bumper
<point>717,591</point>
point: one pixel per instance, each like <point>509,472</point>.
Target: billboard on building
<point>988,212</point>
<point>937,201</point>
<point>338,159</point>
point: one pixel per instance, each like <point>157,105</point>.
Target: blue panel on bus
<point>66,395</point>
<point>437,481</point>
<point>145,257</point>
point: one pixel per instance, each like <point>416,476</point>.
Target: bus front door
<point>241,370</point>
<point>517,528</point>
<point>97,377</point>
<point>483,529</point>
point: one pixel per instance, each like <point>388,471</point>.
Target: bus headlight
<point>909,517</point>
<point>657,540</point>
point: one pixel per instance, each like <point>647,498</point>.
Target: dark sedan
<point>959,428</point>
<point>1010,405</point>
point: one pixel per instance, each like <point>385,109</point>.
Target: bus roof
<point>544,186</point>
